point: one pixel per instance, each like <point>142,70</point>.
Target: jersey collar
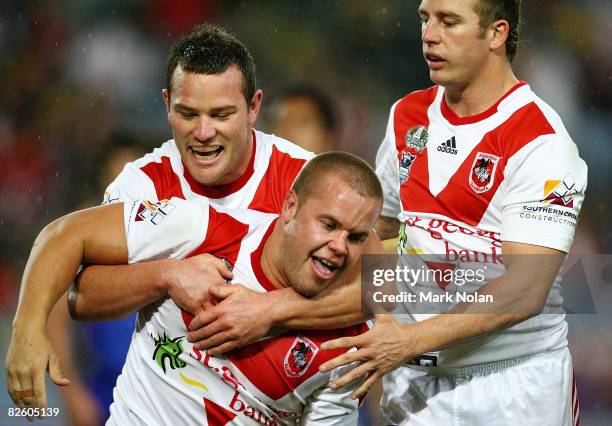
<point>455,120</point>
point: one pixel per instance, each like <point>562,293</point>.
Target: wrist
<point>277,307</point>
<point>167,277</point>
<point>22,324</point>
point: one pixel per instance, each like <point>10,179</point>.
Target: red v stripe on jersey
<point>457,200</point>
<point>223,239</point>
<point>167,183</point>
<point>280,174</point>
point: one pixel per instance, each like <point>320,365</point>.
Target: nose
<point>339,243</point>
<point>204,130</point>
<point>429,32</point>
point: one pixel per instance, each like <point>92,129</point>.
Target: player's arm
<point>244,316</point>
<point>92,235</point>
<point>518,294</point>
<point>106,292</point>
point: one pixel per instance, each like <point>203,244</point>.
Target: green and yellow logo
<point>167,349</point>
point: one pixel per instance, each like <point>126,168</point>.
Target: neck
<point>271,259</point>
<point>250,144</point>
<point>482,92</point>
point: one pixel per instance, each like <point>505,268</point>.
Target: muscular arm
<point>518,294</point>
<point>93,235</point>
<point>106,292</point>
<point>244,316</point>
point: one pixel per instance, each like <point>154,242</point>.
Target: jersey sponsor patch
<point>153,212</point>
<point>561,192</point>
<point>300,356</point>
<point>482,175</point>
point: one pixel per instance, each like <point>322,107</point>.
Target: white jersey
<point>161,175</point>
<point>167,381</point>
<point>461,186</point>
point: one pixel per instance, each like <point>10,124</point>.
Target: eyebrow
<point>442,13</point>
<point>216,110</point>
<point>351,232</point>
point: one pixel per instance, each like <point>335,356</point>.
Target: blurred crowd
<point>81,95</point>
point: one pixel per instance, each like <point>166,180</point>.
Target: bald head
<point>353,171</point>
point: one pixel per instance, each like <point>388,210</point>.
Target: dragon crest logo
<point>482,175</point>
<point>300,356</point>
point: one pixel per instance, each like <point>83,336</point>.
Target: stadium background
<point>79,78</point>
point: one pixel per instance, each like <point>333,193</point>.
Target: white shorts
<point>533,390</point>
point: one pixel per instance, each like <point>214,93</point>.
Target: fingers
<point>201,320</point>
<point>225,347</point>
<point>23,393</point>
<point>363,389</point>
<point>219,264</point>
<point>223,291</point>
<point>216,339</point>
<point>40,393</point>
<point>13,386</point>
<point>357,372</point>
<point>344,359</point>
<point>55,373</point>
<point>343,342</point>
<point>223,268</point>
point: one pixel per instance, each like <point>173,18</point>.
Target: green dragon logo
<point>168,349</point>
<point>403,238</point>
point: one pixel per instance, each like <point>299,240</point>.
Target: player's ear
<point>499,31</point>
<point>254,106</point>
<point>166,97</point>
<point>290,206</point>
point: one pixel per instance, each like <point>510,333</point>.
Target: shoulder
<point>417,100</point>
<point>272,143</point>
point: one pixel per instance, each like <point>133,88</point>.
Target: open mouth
<point>206,153</point>
<point>434,59</point>
<point>323,268</point>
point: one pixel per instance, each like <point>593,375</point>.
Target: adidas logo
<point>450,146</point>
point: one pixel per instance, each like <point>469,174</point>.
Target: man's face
<point>298,120</point>
<point>455,47</point>
<point>211,123</point>
<point>326,235</point>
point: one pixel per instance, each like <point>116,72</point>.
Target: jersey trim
<point>256,261</point>
<point>455,120</point>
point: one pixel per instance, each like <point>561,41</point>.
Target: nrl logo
<point>405,163</point>
<point>300,356</point>
<point>416,138</point>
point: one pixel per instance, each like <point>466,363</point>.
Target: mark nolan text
<point>430,297</point>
